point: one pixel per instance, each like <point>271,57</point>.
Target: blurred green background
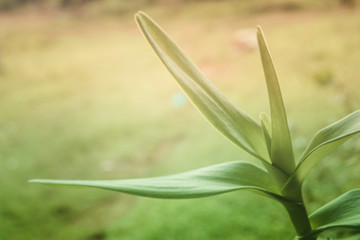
<point>84,97</point>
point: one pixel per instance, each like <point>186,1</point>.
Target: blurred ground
<point>84,97</point>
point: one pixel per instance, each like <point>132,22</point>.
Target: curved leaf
<point>217,109</point>
<point>342,212</point>
<point>202,182</point>
<point>282,155</point>
<point>325,141</point>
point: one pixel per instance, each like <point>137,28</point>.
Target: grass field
<point>86,98</point>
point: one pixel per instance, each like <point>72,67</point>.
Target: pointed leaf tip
<point>233,123</point>
<point>325,141</point>
<point>216,179</point>
<point>139,13</point>
<point>282,155</point>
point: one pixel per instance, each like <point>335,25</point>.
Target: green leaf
<point>202,182</point>
<point>279,176</point>
<point>266,126</point>
<point>342,212</point>
<point>325,141</point>
<point>217,109</point>
<point>282,155</point>
<point>339,234</point>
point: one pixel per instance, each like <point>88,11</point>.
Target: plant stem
<point>299,218</point>
<point>296,209</point>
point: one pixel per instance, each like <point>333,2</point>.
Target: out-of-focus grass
<point>88,99</point>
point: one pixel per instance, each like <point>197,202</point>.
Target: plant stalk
<point>299,219</point>
<point>296,210</point>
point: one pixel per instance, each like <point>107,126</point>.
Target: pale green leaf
<point>325,141</point>
<point>279,176</point>
<point>282,155</point>
<point>266,126</point>
<point>217,109</point>
<point>202,182</point>
<point>342,212</point>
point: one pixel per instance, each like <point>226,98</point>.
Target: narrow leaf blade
<point>266,126</point>
<point>342,212</point>
<point>282,155</point>
<point>216,108</point>
<point>216,179</point>
<point>325,141</point>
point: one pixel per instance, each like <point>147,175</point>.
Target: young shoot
<point>279,176</point>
